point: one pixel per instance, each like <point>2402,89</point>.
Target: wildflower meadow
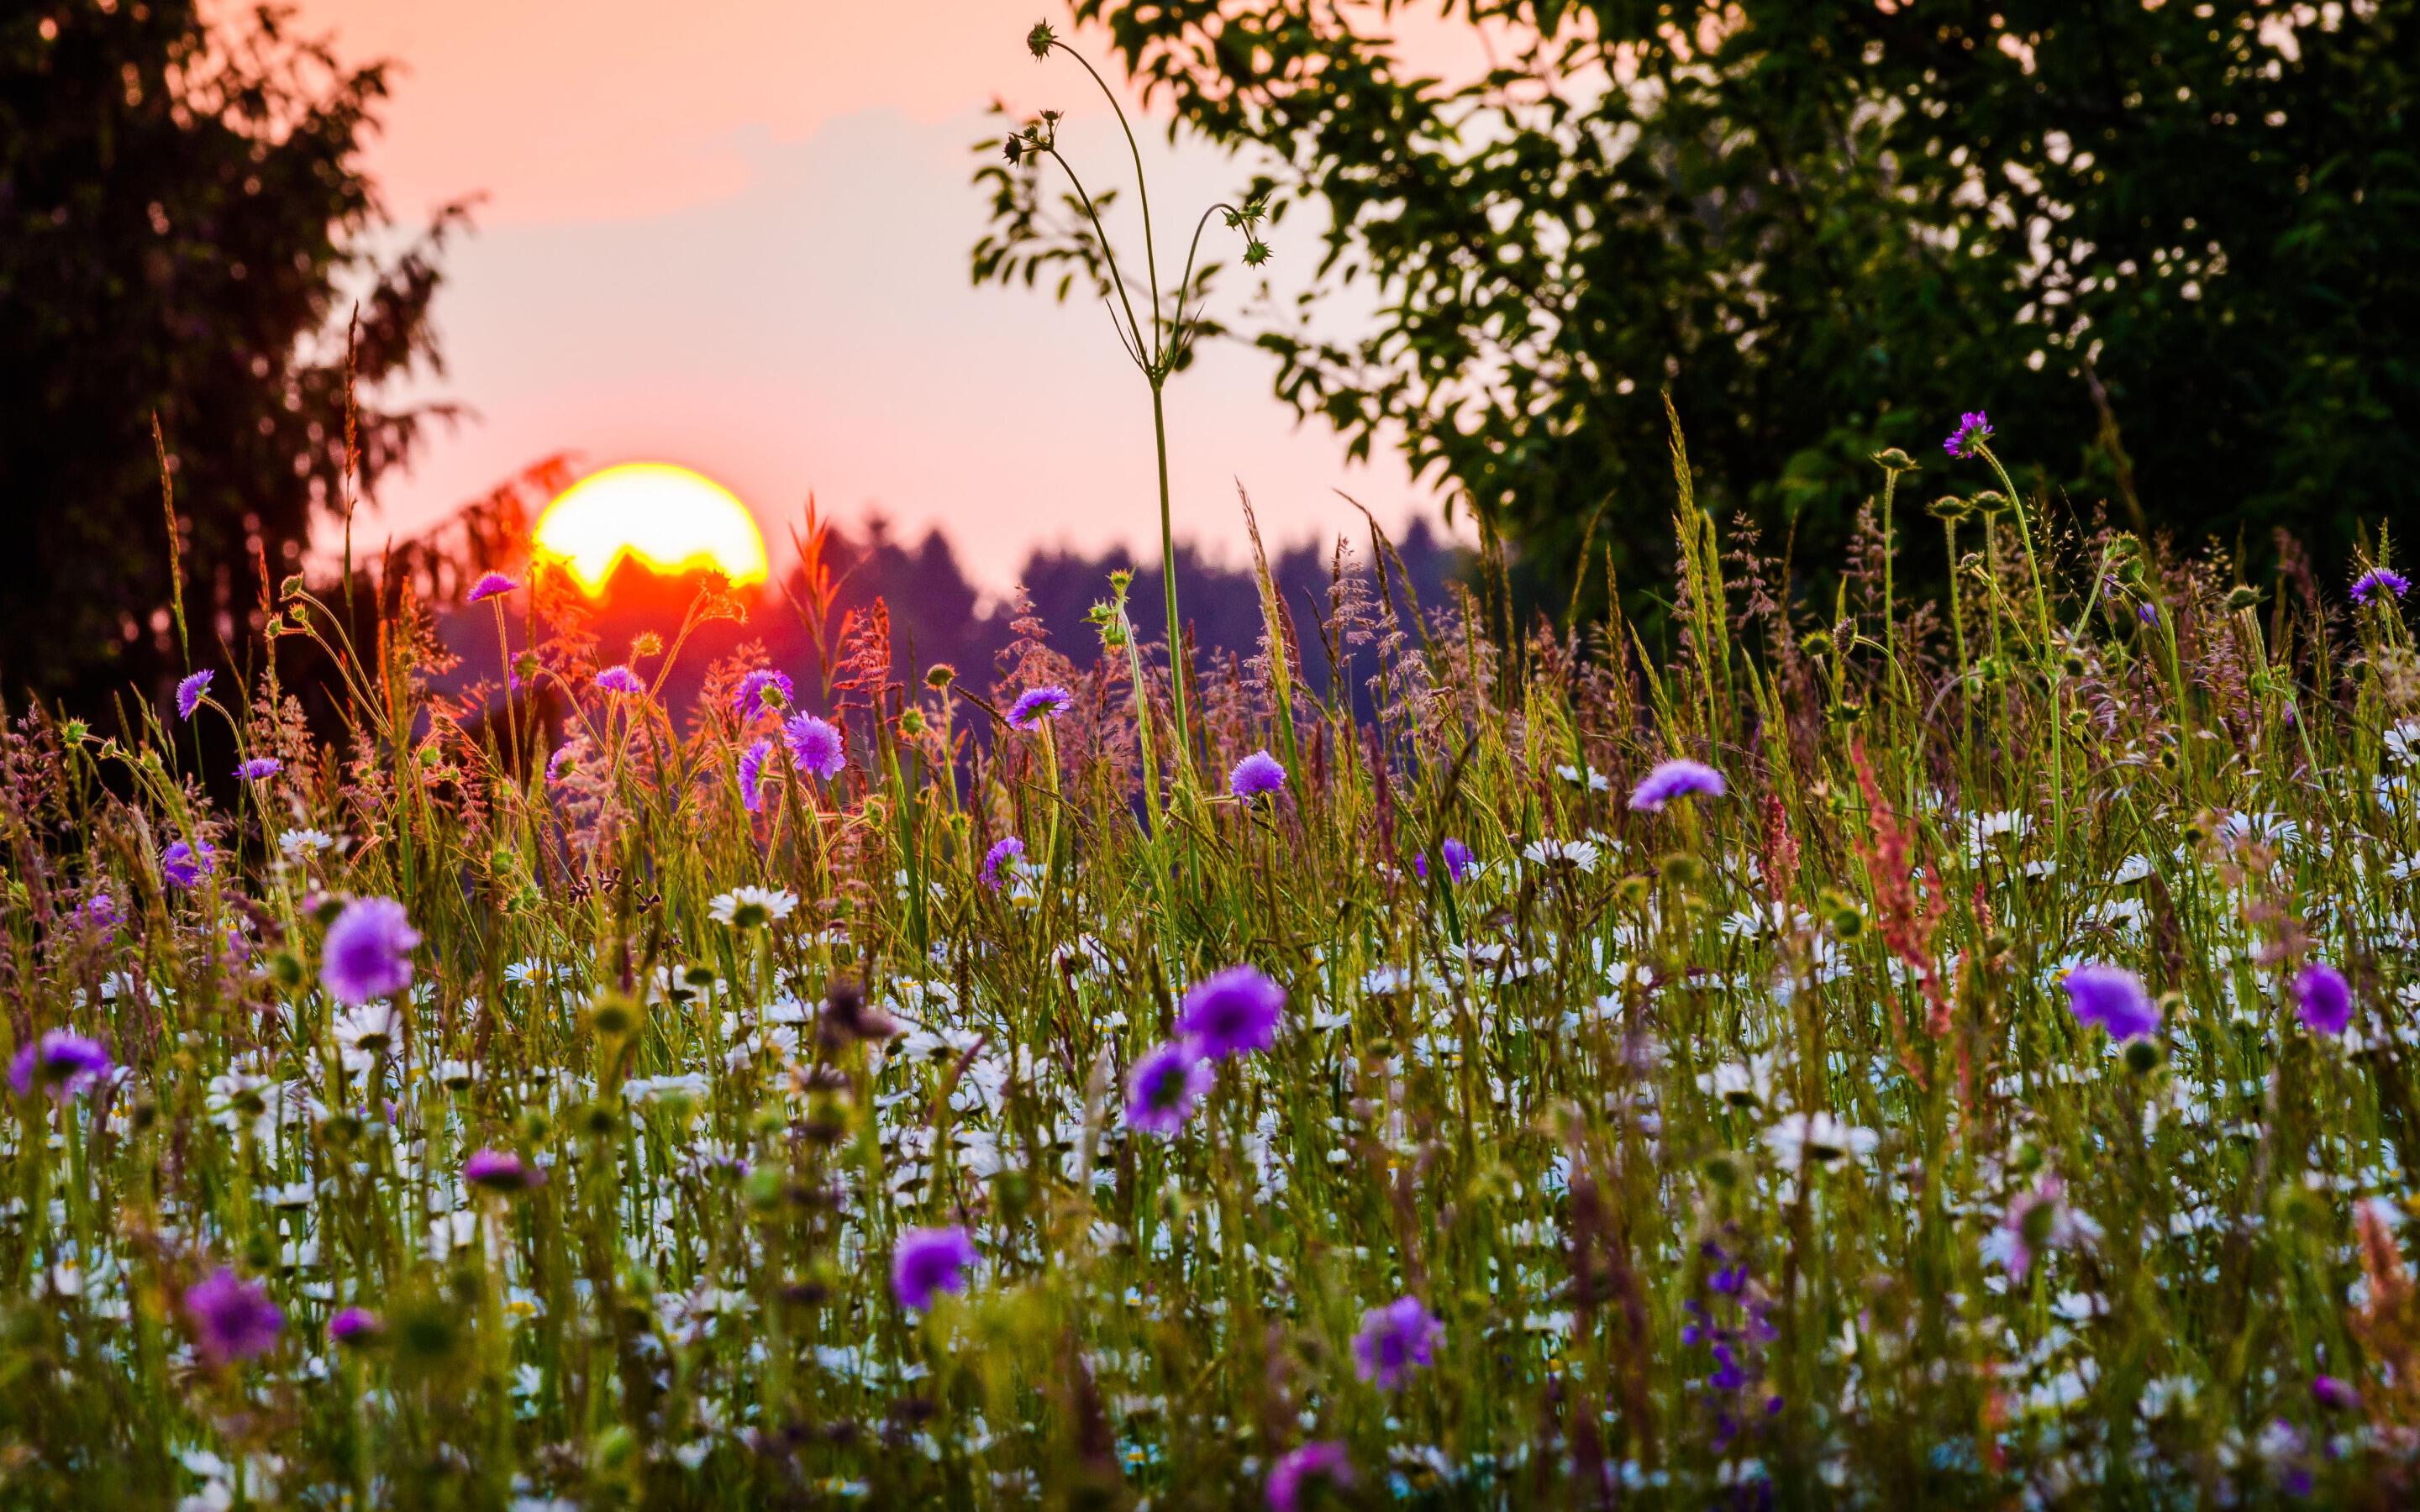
<point>1941,1040</point>
<point>1940,1051</point>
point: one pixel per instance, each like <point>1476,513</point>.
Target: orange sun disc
<point>668,518</point>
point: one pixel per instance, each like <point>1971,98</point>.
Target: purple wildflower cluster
<point>2324,998</point>
<point>501,1171</point>
<point>1301,1474</point>
<point>1230,1012</point>
<point>619,679</point>
<point>1974,429</point>
<point>2370,583</point>
<point>1678,778</point>
<point>1394,1341</point>
<point>1035,704</point>
<point>189,693</point>
<point>184,863</point>
<point>1453,853</point>
<point>929,1262</point>
<point>232,1319</point>
<point>257,768</point>
<point>748,701</point>
<point>369,952</point>
<point>1004,854</point>
<point>816,745</point>
<point>751,774</point>
<point>1256,776</point>
<point>1734,1321</point>
<point>60,1063</point>
<point>2112,997</point>
<point>489,586</point>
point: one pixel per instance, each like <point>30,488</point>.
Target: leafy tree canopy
<point>2168,246</point>
<point>185,232</point>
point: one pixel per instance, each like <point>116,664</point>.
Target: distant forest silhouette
<point>938,615</point>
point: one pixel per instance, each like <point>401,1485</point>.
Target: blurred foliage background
<point>186,233</point>
<point>2169,247</point>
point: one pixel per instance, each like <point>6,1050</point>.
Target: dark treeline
<point>938,615</point>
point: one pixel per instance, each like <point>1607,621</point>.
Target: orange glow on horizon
<point>669,519</point>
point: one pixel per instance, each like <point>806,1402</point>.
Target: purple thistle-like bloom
<point>257,768</point>
<point>2365,586</point>
<point>369,952</point>
<point>929,1262</point>
<point>60,1063</point>
<point>2036,1220</point>
<point>1232,1012</point>
<point>1394,1341</point>
<point>1256,773</point>
<point>189,693</point>
<point>2334,1394</point>
<point>620,679</point>
<point>2113,998</point>
<point>501,1171</point>
<point>750,698</point>
<point>1003,852</point>
<point>2325,999</point>
<point>1677,778</point>
<point>1166,1086</point>
<point>354,1324</point>
<point>489,586</point>
<point>1974,429</point>
<point>1320,1462</point>
<point>232,1318</point>
<point>1457,857</point>
<point>751,774</point>
<point>816,745</point>
<point>1036,704</point>
<point>101,912</point>
<point>185,864</point>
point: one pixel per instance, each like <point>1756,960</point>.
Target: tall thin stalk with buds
<point>1157,347</point>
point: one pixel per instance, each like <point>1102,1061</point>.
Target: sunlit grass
<point>1728,1144</point>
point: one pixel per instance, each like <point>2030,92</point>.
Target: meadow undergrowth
<point>1889,1052</point>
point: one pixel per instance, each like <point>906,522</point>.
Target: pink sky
<point>733,234</point>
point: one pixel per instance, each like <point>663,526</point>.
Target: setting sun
<point>668,518</point>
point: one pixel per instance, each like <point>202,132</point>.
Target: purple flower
<point>2334,1394</point>
<point>489,586</point>
<point>101,913</point>
<point>259,768</point>
<point>751,774</point>
<point>1394,1341</point>
<point>1003,852</point>
<point>1256,773</point>
<point>190,692</point>
<point>2036,1220</point>
<point>369,952</point>
<point>1230,1012</point>
<point>232,1318</point>
<point>2114,998</point>
<point>816,745</point>
<point>929,1262</point>
<point>2369,582</point>
<point>1457,857</point>
<point>1320,1462</point>
<point>1036,704</point>
<point>356,1323</point>
<point>185,864</point>
<point>1974,429</point>
<point>620,679</point>
<point>1677,778</point>
<point>2147,613</point>
<point>1165,1086</point>
<point>2325,997</point>
<point>59,1063</point>
<point>501,1171</point>
<point>750,698</point>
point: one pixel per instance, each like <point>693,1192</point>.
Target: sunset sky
<point>733,234</point>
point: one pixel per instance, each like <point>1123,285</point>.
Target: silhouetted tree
<point>185,231</point>
<point>2169,247</point>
